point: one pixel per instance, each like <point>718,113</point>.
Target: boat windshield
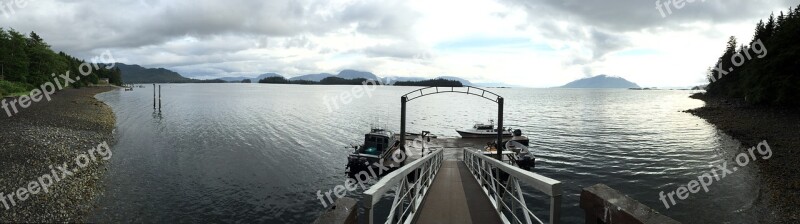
<point>374,144</point>
<point>484,127</point>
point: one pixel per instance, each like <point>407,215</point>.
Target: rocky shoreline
<point>50,134</point>
<point>750,125</point>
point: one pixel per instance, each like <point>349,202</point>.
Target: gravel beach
<point>51,134</point>
<point>781,128</point>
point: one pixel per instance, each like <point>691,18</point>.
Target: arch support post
<point>403,101</point>
<point>500,128</point>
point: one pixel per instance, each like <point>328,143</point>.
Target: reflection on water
<point>259,153</point>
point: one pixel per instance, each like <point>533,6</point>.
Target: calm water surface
<point>259,152</point>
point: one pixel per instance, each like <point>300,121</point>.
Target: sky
<point>533,43</point>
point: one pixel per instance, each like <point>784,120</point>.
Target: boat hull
<point>358,163</point>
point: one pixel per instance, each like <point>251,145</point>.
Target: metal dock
<point>472,190</point>
<point>471,187</point>
<point>449,202</point>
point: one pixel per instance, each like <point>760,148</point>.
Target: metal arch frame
<point>483,94</point>
<point>453,90</point>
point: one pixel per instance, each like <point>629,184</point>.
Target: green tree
<point>15,58</point>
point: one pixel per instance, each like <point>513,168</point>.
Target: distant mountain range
<point>312,77</point>
<point>139,74</point>
<point>601,82</point>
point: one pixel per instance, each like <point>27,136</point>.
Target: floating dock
<point>448,180</point>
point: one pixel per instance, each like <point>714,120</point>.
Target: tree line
<point>27,61</point>
<point>768,76</point>
<point>325,81</point>
<point>431,82</point>
<point>360,81</point>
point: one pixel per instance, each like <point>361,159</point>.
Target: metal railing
<point>408,196</point>
<point>487,171</point>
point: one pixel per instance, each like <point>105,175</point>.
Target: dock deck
<point>448,200</point>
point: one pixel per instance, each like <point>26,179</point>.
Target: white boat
<point>482,131</point>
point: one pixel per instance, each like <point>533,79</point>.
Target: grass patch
<point>14,88</point>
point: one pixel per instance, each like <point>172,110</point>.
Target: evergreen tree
<point>769,75</point>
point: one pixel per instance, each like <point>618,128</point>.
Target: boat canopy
<point>376,142</point>
<point>483,127</point>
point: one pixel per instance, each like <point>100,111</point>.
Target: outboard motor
<point>519,138</point>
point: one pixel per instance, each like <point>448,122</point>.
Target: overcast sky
<point>534,43</point>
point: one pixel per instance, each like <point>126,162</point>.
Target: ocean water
<point>260,152</point>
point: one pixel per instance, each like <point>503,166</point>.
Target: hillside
<point>139,74</point>
<point>438,82</point>
<point>267,75</point>
<point>460,80</point>
<point>312,77</point>
<point>353,74</point>
<point>27,61</point>
<point>765,70</point>
<point>235,79</point>
<point>601,82</point>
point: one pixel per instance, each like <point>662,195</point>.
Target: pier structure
<point>460,184</point>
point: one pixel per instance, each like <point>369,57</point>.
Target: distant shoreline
<point>52,133</point>
<point>780,127</point>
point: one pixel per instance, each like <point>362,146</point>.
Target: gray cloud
<point>383,18</point>
<point>206,38</point>
<point>400,50</point>
<point>600,26</point>
<point>635,15</point>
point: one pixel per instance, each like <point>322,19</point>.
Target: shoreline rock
<point>780,175</point>
<point>53,133</point>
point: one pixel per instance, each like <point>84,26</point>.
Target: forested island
<point>360,81</point>
<point>325,81</point>
<point>430,82</point>
<point>27,62</point>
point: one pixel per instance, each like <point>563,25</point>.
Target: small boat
<point>379,147</point>
<point>524,158</point>
<point>481,130</point>
<point>515,151</point>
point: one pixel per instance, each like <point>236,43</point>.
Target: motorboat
<point>520,144</point>
<point>516,151</point>
<point>378,148</point>
<point>524,158</point>
<point>481,130</point>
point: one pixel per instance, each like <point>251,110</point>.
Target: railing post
<point>368,207</point>
<point>518,189</point>
<point>403,101</point>
<point>555,209</point>
<point>496,185</point>
<point>500,128</point>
